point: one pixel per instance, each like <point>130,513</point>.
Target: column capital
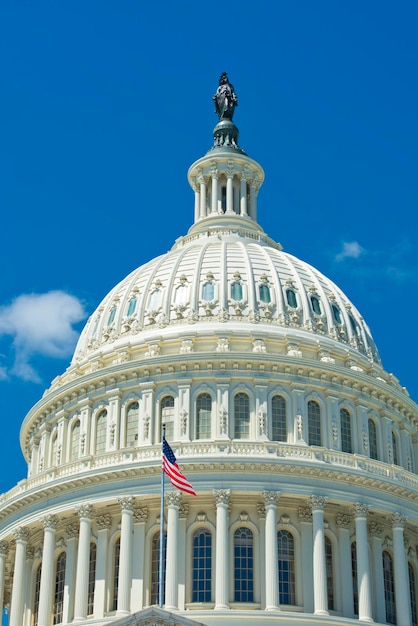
<point>84,510</point>
<point>104,522</point>
<point>271,498</point>
<point>222,496</point>
<point>318,503</point>
<point>21,534</point>
<point>140,515</point>
<point>375,529</point>
<point>183,511</point>
<point>397,520</point>
<point>173,498</point>
<point>72,530</point>
<point>361,510</point>
<point>305,514</point>
<point>4,546</point>
<point>343,520</point>
<point>50,521</point>
<point>127,504</point>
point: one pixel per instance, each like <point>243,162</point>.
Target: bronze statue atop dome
<point>225,98</point>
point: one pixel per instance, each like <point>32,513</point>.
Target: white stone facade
<point>303,450</point>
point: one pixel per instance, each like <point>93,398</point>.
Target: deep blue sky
<point>103,107</point>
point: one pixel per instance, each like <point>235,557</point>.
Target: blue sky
<point>103,107</point>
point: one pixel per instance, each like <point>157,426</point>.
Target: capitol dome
<point>265,378</point>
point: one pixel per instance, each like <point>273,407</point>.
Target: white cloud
<point>350,250</point>
<point>40,324</point>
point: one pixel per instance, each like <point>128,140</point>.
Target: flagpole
<point>161,565</point>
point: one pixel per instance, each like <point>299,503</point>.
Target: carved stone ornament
<point>361,510</point>
<point>201,516</point>
<point>223,344</point>
<point>262,421</point>
<point>173,498</point>
<point>50,521</point>
<point>183,511</point>
<point>259,346</point>
<point>21,534</point>
<point>318,503</point>
<point>4,546</point>
<point>140,515</point>
<point>223,420</point>
<point>183,421</point>
<point>222,496</point>
<point>60,543</point>
<point>72,531</point>
<point>127,504</point>
<point>270,497</point>
<point>30,553</point>
<point>397,520</point>
<point>343,520</point>
<point>305,514</point>
<point>299,424</point>
<point>104,522</point>
<point>375,529</point>
<point>186,346</point>
<point>334,428</point>
<point>84,510</point>
<point>261,510</point>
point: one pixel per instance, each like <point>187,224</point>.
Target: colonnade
<point>134,565</point>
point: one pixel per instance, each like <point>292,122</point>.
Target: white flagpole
<point>161,564</point>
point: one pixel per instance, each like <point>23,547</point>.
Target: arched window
<point>54,449</point>
<point>131,307</point>
<point>395,448</point>
<point>154,301</point>
<point>155,566</point>
<point>101,427</point>
<point>57,609</point>
<point>236,291</point>
<point>316,307</point>
<point>202,565</point>
<point>167,416</point>
<point>354,576</point>
<point>286,567</point>
<point>372,439</point>
<point>208,291</point>
<point>346,436</point>
<point>241,416</point>
<point>264,293</point>
<point>278,419</point>
<point>243,565</point>
<point>96,325</point>
<point>389,587</point>
<point>203,416</point>
<point>314,423</point>
<point>181,295</point>
<point>112,314</point>
<point>336,314</point>
<point>116,562</point>
<point>92,578</point>
<point>75,441</point>
<point>132,424</point>
<point>36,591</point>
<point>330,574</point>
<point>413,594</point>
<point>291,298</point>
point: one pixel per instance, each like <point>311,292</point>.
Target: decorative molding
<point>104,522</point>
<point>343,520</point>
<point>361,510</point>
<point>84,511</point>
<point>305,514</point>
<point>270,498</point>
<point>126,504</point>
<point>174,498</point>
<point>222,496</point>
<point>50,522</point>
<point>72,531</point>
<point>397,520</point>
<point>375,529</point>
<point>140,515</point>
<point>318,503</point>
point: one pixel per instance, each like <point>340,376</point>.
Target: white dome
<point>222,275</point>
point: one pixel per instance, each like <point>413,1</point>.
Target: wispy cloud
<point>39,325</point>
<point>349,250</point>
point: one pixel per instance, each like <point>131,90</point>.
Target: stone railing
<point>213,452</point>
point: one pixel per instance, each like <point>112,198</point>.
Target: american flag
<point>171,468</point>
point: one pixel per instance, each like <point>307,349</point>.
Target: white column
<point>347,604</point>
<point>402,593</point>
<point>28,591</point>
<point>243,196</point>
<point>171,581</point>
<point>375,532</point>
<point>125,562</point>
<point>196,203</point>
<point>16,606</point>
<point>83,562</point>
<point>202,197</point>
<point>253,200</point>
<point>138,552</point>
<point>229,192</point>
<point>103,525</point>
<point>305,518</point>
<point>261,511</point>
<point>181,564</point>
<point>222,497</point>
<point>319,568</point>
<point>272,582</point>
<point>70,563</point>
<point>363,567</point>
<point>3,555</point>
<point>47,571</point>
<point>214,206</point>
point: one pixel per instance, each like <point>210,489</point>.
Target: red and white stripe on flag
<point>171,468</point>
